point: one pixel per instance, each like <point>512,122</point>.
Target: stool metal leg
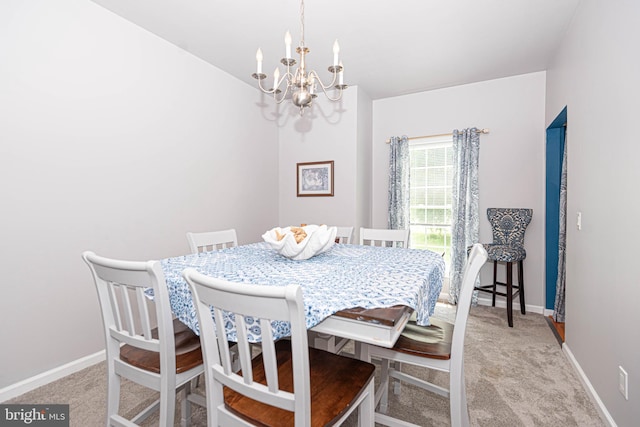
<point>521,286</point>
<point>495,282</point>
<point>510,293</point>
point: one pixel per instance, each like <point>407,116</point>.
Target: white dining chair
<point>439,346</point>
<point>212,240</point>
<point>343,234</point>
<point>288,383</point>
<point>163,358</point>
<point>384,237</point>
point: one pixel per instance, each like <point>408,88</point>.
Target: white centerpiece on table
<point>299,243</point>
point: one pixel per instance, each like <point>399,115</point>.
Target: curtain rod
<point>439,134</point>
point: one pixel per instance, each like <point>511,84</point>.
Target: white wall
<point>338,131</point>
<point>364,164</point>
<point>113,140</point>
<point>511,155</point>
<point>595,74</point>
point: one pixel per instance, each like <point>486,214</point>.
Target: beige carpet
<point>515,377</point>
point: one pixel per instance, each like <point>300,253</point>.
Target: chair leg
<point>384,386</point>
<point>458,399</point>
<point>397,384</point>
<point>185,413</point>
<point>521,285</point>
<point>464,415</point>
<point>366,410</point>
<point>510,293</point>
<point>167,407</point>
<point>495,282</point>
<point>113,393</point>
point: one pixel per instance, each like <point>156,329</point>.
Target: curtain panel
<point>464,209</point>
<point>558,309</point>
<point>398,217</point>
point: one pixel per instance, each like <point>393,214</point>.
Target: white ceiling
<point>388,48</point>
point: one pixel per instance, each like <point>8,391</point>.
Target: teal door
<point>554,156</point>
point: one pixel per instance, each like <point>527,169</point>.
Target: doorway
<point>555,149</point>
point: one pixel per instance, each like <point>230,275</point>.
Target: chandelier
<point>300,83</point>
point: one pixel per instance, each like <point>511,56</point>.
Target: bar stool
<point>508,226</point>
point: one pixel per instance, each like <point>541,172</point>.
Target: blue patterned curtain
<point>464,210</point>
<point>399,183</point>
<point>558,309</point>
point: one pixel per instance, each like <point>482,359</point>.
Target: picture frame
<point>314,179</point>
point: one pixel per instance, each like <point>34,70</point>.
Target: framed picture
<point>315,179</point>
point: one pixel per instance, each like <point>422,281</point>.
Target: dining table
<point>365,293</point>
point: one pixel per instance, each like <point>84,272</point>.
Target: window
<point>430,194</point>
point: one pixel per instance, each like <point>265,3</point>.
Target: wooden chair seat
<point>433,341</point>
<point>335,382</point>
<point>188,352</point>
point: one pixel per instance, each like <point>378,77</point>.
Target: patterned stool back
<point>509,225</point>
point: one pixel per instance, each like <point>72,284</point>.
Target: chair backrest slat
<point>384,237</point>
<point>129,323</point>
<point>143,309</point>
<point>269,356</point>
<point>112,291</point>
<point>226,358</point>
<point>212,240</point>
<point>244,349</point>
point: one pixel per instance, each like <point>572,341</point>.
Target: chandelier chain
<point>302,23</point>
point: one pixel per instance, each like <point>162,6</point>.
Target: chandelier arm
<point>288,77</point>
<point>284,95</point>
<point>330,85</point>
<point>329,97</point>
<point>269,91</point>
<point>324,87</point>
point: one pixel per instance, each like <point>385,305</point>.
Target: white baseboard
<point>516,305</point>
<point>24,386</point>
<point>602,410</point>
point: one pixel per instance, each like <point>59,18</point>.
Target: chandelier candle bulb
<point>276,77</point>
<point>336,50</point>
<point>259,59</point>
<point>340,75</point>
<point>287,43</point>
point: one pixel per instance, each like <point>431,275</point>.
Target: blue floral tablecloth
<point>346,276</point>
